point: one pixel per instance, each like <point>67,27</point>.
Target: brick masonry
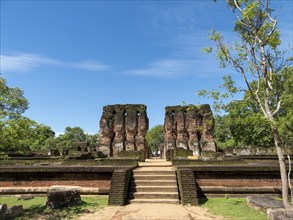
<point>187,187</point>
<point>119,187</point>
<point>96,180</point>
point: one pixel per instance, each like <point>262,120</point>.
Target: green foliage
<point>12,101</point>
<point>232,208</point>
<point>70,135</point>
<point>243,124</point>
<point>92,139</point>
<point>21,134</point>
<point>267,74</point>
<point>155,137</point>
<point>18,133</point>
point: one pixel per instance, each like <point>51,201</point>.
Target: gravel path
<point>151,212</point>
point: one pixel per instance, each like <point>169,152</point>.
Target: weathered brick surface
<point>187,187</point>
<point>119,187</point>
<point>238,179</point>
<point>97,180</point>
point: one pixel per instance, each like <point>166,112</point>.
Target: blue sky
<point>73,57</point>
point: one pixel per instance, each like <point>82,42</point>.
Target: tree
<point>19,133</point>
<point>71,134</point>
<point>12,101</point>
<point>41,133</point>
<point>155,137</point>
<point>92,139</point>
<point>12,124</point>
<point>243,124</point>
<point>256,57</point>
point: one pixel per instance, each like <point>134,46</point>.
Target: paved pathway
<point>151,212</point>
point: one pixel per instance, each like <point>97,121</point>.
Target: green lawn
<point>35,208</point>
<point>232,208</point>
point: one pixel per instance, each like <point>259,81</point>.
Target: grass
<point>35,208</point>
<point>232,208</point>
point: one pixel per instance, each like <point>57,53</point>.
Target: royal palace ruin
<point>189,127</point>
<point>119,164</point>
<point>123,128</point>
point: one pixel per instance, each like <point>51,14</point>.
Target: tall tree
<point>155,137</point>
<point>71,134</point>
<point>256,57</point>
<point>18,133</point>
<point>12,101</point>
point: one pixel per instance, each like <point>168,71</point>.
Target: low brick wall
<point>236,181</point>
<point>30,179</point>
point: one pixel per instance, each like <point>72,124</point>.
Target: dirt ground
<point>151,212</point>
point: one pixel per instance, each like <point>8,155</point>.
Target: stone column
<point>106,131</point>
<point>169,134</point>
<point>119,129</point>
<point>141,131</point>
<point>182,138</point>
<point>207,139</point>
<point>192,131</point>
<point>131,129</point>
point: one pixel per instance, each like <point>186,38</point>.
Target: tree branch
<point>237,6</point>
<point>278,107</point>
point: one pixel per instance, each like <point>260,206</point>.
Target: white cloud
<point>165,68</point>
<point>90,65</point>
<point>177,68</point>
<point>24,62</point>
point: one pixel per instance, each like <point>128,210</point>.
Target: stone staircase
<point>154,181</point>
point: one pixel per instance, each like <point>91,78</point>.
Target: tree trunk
<point>282,164</point>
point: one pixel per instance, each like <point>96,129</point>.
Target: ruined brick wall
<point>123,128</point>
<point>189,128</point>
<point>100,180</point>
<point>237,183</point>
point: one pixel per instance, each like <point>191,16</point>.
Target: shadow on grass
<point>40,211</point>
<point>202,198</point>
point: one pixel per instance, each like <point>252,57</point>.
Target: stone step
<point>154,169</point>
<point>154,183</point>
<point>162,164</point>
<point>165,201</point>
<point>153,172</point>
<point>153,195</point>
<point>155,160</point>
<point>154,177</point>
<point>153,189</point>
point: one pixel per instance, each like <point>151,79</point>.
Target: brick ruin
<point>123,128</point>
<point>189,127</point>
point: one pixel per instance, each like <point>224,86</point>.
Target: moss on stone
<point>139,155</point>
<point>202,109</point>
<point>181,152</point>
<point>99,154</point>
<point>170,154</point>
<point>211,154</point>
